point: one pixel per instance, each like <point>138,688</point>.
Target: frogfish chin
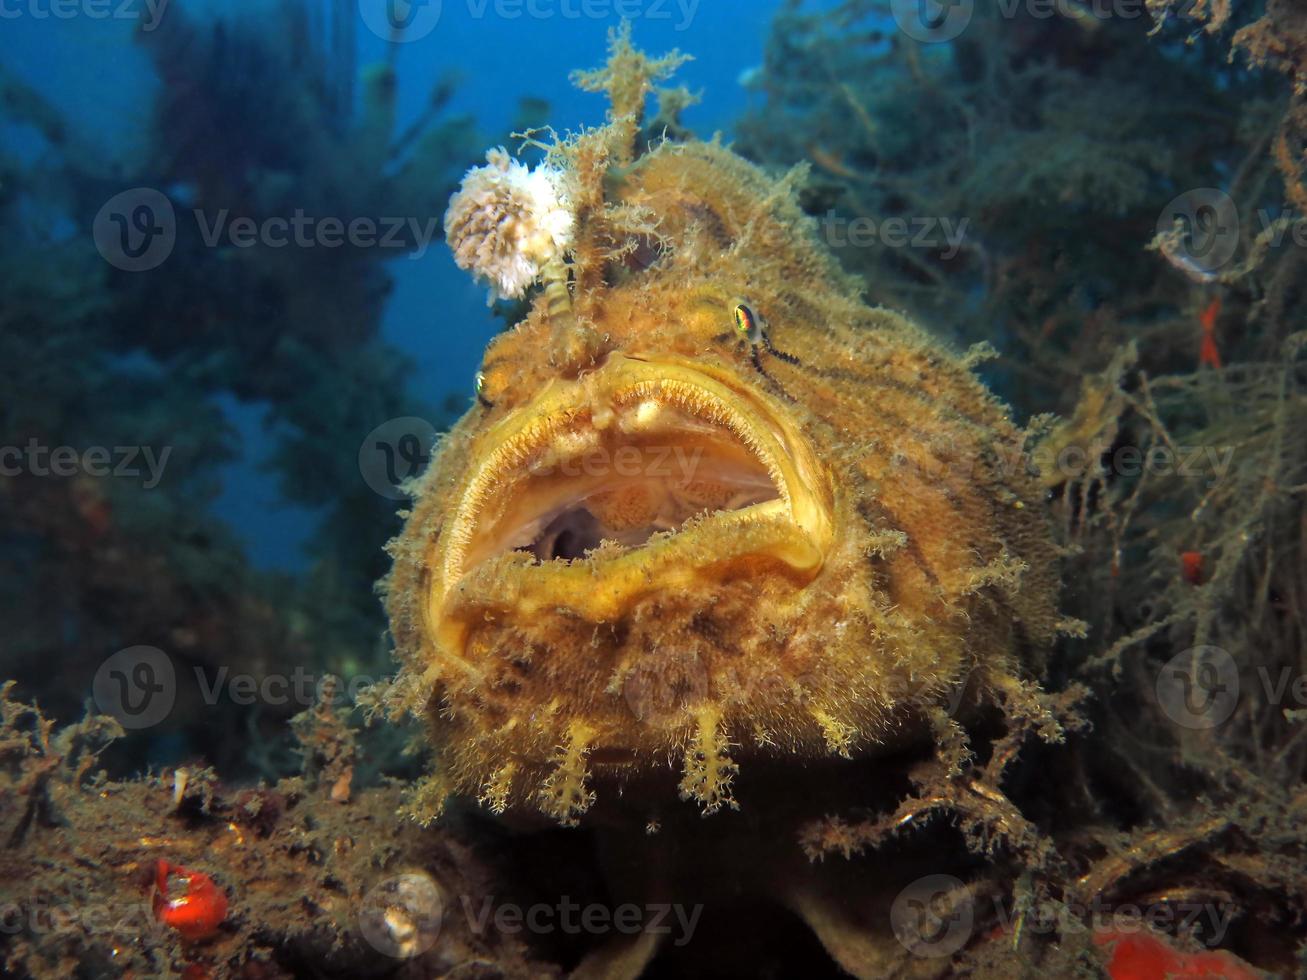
<point>709,506</point>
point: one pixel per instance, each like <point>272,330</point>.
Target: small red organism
<point>188,901</point>
<point>1208,353</point>
<point>1191,567</point>
<point>1144,956</point>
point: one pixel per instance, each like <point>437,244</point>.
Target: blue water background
<point>92,70</point>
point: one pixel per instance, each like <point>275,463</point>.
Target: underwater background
<point>94,70</point>
<point>421,312</point>
<point>208,424</point>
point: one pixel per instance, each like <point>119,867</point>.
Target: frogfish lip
<point>648,473</point>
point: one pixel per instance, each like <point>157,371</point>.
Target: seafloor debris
<point>103,878</point>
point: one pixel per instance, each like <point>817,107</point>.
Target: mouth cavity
<point>651,472</point>
<point>639,457</point>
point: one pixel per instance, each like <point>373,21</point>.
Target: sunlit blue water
<point>86,63</point>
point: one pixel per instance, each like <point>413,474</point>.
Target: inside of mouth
<point>622,487</point>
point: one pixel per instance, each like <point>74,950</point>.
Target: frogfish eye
<point>747,324</point>
<point>480,386</point>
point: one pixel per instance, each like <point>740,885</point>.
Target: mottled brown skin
<point>924,557</point>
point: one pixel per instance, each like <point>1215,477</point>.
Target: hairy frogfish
<point>710,508</point>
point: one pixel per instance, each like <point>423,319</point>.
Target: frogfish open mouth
<point>709,505</point>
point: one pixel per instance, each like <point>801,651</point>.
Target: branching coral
<point>628,79</point>
<point>953,785</point>
<point>1238,504</point>
<point>1001,187</point>
<point>41,764</point>
<point>1278,39</point>
<point>1179,491</point>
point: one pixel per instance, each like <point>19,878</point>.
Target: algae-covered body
<point>710,506</point>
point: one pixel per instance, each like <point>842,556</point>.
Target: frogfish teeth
<point>715,509</point>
